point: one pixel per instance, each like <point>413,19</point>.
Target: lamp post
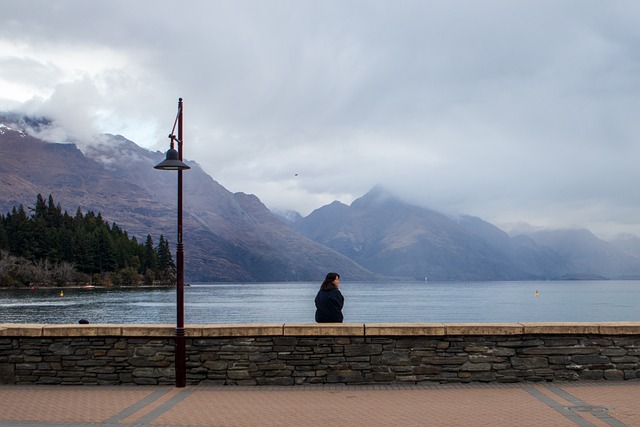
<point>173,162</point>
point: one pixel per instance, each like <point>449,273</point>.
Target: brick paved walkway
<point>529,404</point>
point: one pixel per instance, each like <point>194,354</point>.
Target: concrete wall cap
<point>323,329</point>
<point>20,330</point>
<point>404,329</point>
<point>241,330</point>
<point>560,328</point>
<point>483,329</point>
<point>622,328</point>
<point>90,330</point>
<point>149,330</point>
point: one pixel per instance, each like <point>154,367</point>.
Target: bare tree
<point>64,272</point>
<point>14,271</point>
<point>42,272</point>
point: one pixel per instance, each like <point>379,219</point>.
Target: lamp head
<point>172,162</point>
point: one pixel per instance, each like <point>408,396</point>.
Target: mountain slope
<point>585,256</point>
<point>226,237</point>
<point>394,238</point>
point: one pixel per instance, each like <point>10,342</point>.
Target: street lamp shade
<point>172,162</point>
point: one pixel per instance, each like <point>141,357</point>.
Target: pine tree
<point>165,260</point>
<point>166,268</point>
<point>150,255</point>
<point>104,253</point>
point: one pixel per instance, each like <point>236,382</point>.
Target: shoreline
<point>88,287</point>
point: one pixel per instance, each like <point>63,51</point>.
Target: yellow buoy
<point>536,292</point>
<point>61,293</point>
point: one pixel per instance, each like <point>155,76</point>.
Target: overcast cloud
<point>514,111</point>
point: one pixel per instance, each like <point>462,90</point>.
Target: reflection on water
<point>575,301</point>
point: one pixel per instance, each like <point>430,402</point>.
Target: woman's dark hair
<point>328,281</point>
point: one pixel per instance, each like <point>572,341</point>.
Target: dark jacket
<point>329,306</point>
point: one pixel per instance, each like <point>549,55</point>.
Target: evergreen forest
<point>44,246</point>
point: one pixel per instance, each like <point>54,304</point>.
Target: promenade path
<point>604,403</point>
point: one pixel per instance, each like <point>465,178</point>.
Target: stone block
<point>613,351</point>
<point>285,341</point>
<point>394,358</point>
<point>561,342</point>
<point>485,377</point>
<point>238,374</point>
<point>49,380</point>
<point>475,348</point>
<point>89,362</point>
<point>275,381</point>
<point>482,358</point>
<point>146,373</point>
<point>523,363</point>
<point>426,370</point>
<point>502,351</point>
<point>272,366</point>
<point>556,351</point>
<point>382,376</point>
<point>523,343</point>
<point>559,360</point>
<point>589,374</point>
<point>145,381</point>
<point>345,376</point>
<point>408,378</point>
<point>613,374</point>
<point>261,357</point>
<point>231,348</point>
<point>475,367</point>
<point>144,362</point>
<point>332,360</point>
<point>279,373</point>
<point>7,374</point>
<point>309,373</point>
<point>591,360</point>
<point>362,349</point>
<point>448,360</point>
<point>215,365</point>
<point>625,359</point>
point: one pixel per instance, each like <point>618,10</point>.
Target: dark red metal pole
<point>181,351</point>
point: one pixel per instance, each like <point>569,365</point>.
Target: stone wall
<point>320,354</point>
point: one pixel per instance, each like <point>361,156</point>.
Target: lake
<point>448,302</point>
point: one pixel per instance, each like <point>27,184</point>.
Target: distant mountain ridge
<point>393,238</point>
<point>227,237</point>
<point>234,237</point>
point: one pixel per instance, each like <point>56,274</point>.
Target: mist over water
<point>448,302</point>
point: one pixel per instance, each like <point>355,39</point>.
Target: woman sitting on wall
<point>329,300</point>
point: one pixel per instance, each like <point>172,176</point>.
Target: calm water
<point>570,301</point>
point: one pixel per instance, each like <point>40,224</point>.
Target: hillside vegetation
<point>44,246</point>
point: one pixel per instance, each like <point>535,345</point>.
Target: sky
<point>524,113</point>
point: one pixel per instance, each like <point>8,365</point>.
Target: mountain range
<point>227,236</point>
<point>394,238</point>
<point>235,237</point>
